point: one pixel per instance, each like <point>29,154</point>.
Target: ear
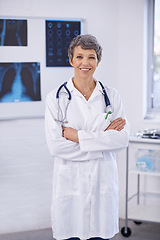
<point>70,61</point>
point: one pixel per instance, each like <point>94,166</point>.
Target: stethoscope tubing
<point>106,99</point>
<point>59,89</point>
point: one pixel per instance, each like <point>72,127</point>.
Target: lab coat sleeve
<point>58,145</point>
<point>110,140</point>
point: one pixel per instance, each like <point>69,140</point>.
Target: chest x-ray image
<point>13,32</point>
<point>20,82</point>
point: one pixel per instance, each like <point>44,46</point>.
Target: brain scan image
<point>58,37</point>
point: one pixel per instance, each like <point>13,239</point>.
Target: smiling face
<point>84,62</point>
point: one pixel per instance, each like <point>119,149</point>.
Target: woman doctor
<point>84,146</point>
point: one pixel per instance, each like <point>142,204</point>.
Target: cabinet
<point>142,168</point>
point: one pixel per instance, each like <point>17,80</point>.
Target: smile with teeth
<point>85,69</point>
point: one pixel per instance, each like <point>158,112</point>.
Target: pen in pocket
<point>108,114</point>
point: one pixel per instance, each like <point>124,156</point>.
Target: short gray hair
<point>86,41</point>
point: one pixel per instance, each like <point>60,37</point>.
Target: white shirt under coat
<point>85,179</point>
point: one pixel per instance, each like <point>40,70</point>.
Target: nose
<point>85,62</point>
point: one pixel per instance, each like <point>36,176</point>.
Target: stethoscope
<point>62,119</point>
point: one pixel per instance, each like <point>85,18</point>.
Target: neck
<point>83,82</point>
<point>84,86</point>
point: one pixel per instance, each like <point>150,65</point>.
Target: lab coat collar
<point>96,92</point>
<point>70,85</point>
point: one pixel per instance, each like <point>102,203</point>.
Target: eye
<point>92,57</point>
<point>79,57</point>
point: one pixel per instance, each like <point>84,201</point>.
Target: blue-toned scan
<point>13,32</point>
<point>58,37</point>
<point>20,82</point>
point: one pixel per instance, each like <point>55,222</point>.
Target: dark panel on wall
<point>58,37</point>
<point>13,32</point>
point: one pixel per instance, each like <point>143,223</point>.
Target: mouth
<point>85,69</point>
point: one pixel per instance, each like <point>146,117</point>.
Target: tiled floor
<point>145,231</point>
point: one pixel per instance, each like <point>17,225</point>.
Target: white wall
<point>25,164</point>
<point>132,61</point>
<point>25,176</point>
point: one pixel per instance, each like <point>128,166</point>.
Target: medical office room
<point>129,33</point>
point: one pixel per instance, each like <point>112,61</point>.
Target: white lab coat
<point>85,179</point>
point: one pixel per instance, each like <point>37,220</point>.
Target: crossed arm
<point>72,134</point>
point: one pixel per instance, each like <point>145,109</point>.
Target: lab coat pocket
<point>67,183</point>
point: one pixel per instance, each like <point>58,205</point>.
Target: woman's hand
<point>70,134</point>
<point>117,124</point>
